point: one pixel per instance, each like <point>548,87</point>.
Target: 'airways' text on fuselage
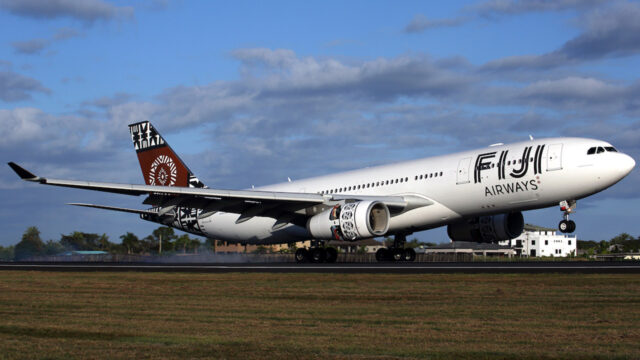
<point>510,188</point>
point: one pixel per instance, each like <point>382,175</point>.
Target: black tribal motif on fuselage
<point>183,218</point>
<point>187,220</point>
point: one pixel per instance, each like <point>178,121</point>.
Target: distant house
<point>616,248</point>
<point>536,241</point>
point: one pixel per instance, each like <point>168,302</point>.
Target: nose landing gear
<point>566,225</point>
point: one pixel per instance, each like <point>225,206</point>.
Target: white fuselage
<point>497,179</point>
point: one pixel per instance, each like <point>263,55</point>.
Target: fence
<point>234,258</point>
<point>371,258</point>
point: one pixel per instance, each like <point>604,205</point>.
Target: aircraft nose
<point>627,164</point>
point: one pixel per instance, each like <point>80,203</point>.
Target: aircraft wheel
<point>398,254</point>
<point>332,255</point>
<point>572,226</point>
<point>409,255</point>
<point>382,254</point>
<point>318,255</point>
<point>302,255</point>
<point>564,226</point>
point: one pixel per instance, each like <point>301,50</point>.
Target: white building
<point>540,241</point>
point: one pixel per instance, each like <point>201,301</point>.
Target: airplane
<point>479,195</point>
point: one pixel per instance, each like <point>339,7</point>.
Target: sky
<point>250,93</point>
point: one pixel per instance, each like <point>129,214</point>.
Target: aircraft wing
<point>248,203</point>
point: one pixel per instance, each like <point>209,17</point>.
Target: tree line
<point>162,240</point>
<point>623,243</point>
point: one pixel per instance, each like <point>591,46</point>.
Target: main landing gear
<point>397,252</point>
<point>317,253</point>
<point>566,225</point>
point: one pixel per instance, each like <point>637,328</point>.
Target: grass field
<point>58,315</point>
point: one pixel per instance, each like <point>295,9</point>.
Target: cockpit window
<point>600,149</point>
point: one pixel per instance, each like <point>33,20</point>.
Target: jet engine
<point>350,221</point>
<point>486,229</point>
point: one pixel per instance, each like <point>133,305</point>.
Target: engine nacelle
<point>488,229</point>
<point>351,221</point>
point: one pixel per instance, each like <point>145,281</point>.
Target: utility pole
<point>160,248</point>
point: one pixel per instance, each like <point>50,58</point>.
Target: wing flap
<point>115,208</point>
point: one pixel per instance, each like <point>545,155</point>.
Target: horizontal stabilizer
<point>113,208</point>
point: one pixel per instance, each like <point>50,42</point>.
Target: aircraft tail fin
<point>160,165</point>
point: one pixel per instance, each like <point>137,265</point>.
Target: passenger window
<point>591,151</point>
<point>440,173</point>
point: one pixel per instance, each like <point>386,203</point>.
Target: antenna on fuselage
<point>288,179</point>
<point>530,137</point>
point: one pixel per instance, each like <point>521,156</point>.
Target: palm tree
<point>130,241</point>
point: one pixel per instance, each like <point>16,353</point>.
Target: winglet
<point>24,174</point>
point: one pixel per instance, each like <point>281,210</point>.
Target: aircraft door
<point>463,171</point>
<point>554,157</point>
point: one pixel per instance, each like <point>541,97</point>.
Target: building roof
<point>86,252</point>
<point>531,227</point>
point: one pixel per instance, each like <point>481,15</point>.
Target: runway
<point>583,267</point>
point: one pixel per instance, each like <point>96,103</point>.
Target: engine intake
<point>488,229</point>
<point>351,221</point>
